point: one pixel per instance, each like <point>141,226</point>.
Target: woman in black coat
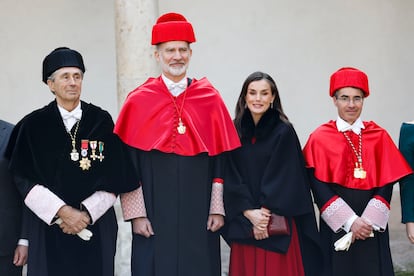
<point>267,175</point>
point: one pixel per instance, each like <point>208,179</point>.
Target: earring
<point>271,105</point>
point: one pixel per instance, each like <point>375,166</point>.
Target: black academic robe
<point>177,174</point>
<point>269,171</point>
<point>372,255</point>
<point>177,193</point>
<point>41,155</point>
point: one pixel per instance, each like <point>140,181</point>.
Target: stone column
<point>134,54</point>
<point>135,63</point>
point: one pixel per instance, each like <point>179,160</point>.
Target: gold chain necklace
<point>181,127</point>
<point>359,171</point>
<point>74,155</point>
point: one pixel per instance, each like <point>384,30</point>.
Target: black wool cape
<point>270,172</point>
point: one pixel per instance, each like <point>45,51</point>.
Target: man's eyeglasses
<point>348,100</point>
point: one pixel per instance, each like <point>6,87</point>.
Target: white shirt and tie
<point>175,88</point>
<point>343,126</point>
<point>70,117</point>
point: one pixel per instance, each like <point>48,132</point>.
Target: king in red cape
<point>179,132</point>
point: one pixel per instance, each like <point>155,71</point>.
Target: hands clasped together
<point>260,219</point>
<point>74,222</point>
<point>360,230</point>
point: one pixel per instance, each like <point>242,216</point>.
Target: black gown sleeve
<point>322,192</point>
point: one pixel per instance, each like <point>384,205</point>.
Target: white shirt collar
<point>176,88</point>
<point>70,117</point>
<point>343,126</point>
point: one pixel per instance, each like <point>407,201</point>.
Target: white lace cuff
<point>98,203</point>
<point>377,212</point>
<point>337,213</point>
<point>43,203</point>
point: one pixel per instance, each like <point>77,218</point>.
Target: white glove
<point>343,243</point>
<point>85,234</point>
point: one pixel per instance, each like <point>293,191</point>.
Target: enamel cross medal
<point>93,145</point>
<point>101,149</point>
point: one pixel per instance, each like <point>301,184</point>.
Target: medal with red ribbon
<point>85,163</point>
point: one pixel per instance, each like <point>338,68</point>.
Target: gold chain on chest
<point>359,171</point>
<point>74,155</point>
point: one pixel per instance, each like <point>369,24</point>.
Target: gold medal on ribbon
<point>84,163</point>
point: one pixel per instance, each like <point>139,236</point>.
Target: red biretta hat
<point>171,27</point>
<point>349,77</point>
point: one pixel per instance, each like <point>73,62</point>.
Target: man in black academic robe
<point>69,167</point>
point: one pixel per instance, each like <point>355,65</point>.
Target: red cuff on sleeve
<point>328,203</point>
<point>218,180</point>
<point>380,198</point>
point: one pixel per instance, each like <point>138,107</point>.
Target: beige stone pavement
<point>402,251</point>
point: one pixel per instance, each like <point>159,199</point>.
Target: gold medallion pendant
<point>181,127</point>
<point>360,173</point>
<point>74,155</point>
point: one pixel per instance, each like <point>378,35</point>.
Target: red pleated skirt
<point>248,260</point>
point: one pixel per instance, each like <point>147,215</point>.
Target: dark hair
<point>241,102</point>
